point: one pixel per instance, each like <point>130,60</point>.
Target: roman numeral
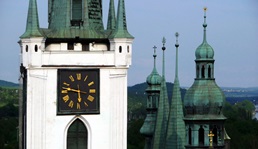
<point>92,91</point>
<point>78,106</point>
<point>66,84</point>
<point>71,78</point>
<point>70,104</point>
<point>79,76</point>
<point>91,83</point>
<point>66,98</point>
<point>86,104</point>
<point>86,77</point>
<point>64,91</point>
<point>90,98</point>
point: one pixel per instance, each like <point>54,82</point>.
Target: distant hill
<point>8,84</point>
<point>139,89</point>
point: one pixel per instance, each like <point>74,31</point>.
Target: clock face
<point>78,91</point>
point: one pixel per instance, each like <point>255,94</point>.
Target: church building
<point>74,77</point>
<point>195,122</point>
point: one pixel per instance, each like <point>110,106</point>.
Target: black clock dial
<point>78,91</point>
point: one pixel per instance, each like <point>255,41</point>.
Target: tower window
<point>215,132</point>
<point>201,136</point>
<point>197,71</point>
<point>77,136</point>
<point>76,12</point>
<point>128,49</point>
<point>203,72</point>
<point>36,48</point>
<point>120,49</point>
<point>189,136</point>
<point>209,72</point>
<point>27,48</point>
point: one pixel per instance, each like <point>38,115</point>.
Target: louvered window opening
<point>76,13</point>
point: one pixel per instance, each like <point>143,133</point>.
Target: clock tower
<point>74,77</point>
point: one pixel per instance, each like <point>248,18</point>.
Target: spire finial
<point>176,45</point>
<point>204,25</point>
<point>163,42</point>
<point>163,61</point>
<point>154,55</point>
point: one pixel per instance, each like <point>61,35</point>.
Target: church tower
<point>175,138</point>
<point>75,77</point>
<point>159,139</point>
<point>153,95</point>
<point>203,102</point>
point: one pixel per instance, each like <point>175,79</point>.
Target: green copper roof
<point>121,27</point>
<point>204,97</point>
<point>148,126</point>
<point>204,51</point>
<point>176,126</point>
<point>80,19</point>
<point>75,18</point>
<point>111,24</point>
<point>32,27</point>
<point>163,110</point>
<point>154,79</point>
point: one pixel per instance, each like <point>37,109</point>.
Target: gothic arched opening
<point>203,72</point>
<point>189,136</point>
<point>77,135</point>
<point>201,136</point>
<point>215,138</point>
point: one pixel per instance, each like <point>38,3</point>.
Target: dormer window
<point>76,13</point>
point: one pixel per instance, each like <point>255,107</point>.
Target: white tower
<point>75,77</point>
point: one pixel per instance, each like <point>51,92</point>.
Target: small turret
<point>32,26</point>
<point>121,26</point>
<point>153,90</point>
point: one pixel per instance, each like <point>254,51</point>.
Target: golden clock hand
<point>79,94</point>
<point>74,90</point>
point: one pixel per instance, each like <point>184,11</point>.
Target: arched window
<point>203,72</point>
<point>215,137</point>
<point>77,136</point>
<point>120,49</point>
<point>197,71</point>
<point>128,49</point>
<point>209,72</point>
<point>36,48</point>
<point>201,136</point>
<point>189,136</point>
<point>27,48</point>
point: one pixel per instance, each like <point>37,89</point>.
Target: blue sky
<point>232,32</point>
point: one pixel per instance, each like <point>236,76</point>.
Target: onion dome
<point>154,79</point>
<point>204,99</point>
<point>204,51</point>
